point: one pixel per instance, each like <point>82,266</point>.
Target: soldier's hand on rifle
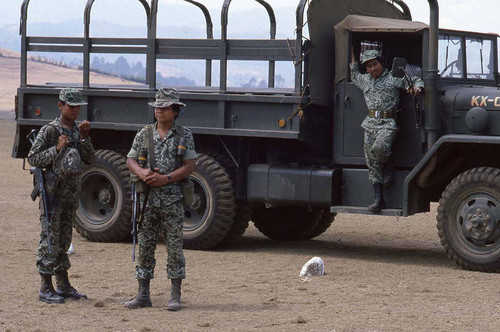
<point>143,173</point>
<point>156,179</point>
<point>84,128</point>
<point>61,142</point>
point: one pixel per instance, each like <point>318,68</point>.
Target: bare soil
<point>382,274</point>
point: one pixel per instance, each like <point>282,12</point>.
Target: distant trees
<point>279,82</point>
<point>134,72</point>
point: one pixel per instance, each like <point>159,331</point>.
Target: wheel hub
<point>479,224</point>
<point>479,216</point>
<point>196,202</point>
<point>104,196</point>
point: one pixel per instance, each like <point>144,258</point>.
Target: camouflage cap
<point>369,55</point>
<point>72,97</point>
<point>166,97</point>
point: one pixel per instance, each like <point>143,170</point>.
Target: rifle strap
<point>59,133</point>
<point>151,151</point>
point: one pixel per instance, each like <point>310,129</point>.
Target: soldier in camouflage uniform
<point>164,209</point>
<point>50,146</point>
<point>381,92</point>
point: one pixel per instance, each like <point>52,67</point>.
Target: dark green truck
<point>290,159</point>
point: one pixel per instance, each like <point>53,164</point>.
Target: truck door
<point>349,114</point>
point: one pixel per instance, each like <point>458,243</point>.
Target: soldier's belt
<point>380,114</point>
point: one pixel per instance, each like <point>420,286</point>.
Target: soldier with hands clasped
<point>61,148</point>
<point>165,174</point>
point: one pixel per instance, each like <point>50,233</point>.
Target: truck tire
<point>241,221</point>
<point>286,223</point>
<point>243,208</point>
<point>209,219</point>
<point>104,214</point>
<point>468,219</point>
<point>325,221</point>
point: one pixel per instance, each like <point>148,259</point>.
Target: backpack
<point>68,161</point>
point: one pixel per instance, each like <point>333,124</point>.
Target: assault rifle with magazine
<point>39,190</point>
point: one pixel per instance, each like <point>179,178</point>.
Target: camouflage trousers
<point>168,220</point>
<point>378,145</point>
<point>60,230</point>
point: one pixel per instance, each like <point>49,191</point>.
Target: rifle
<point>136,207</point>
<point>137,214</point>
<point>39,190</point>
<point>137,210</point>
<point>136,204</point>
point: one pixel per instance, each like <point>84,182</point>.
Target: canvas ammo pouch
<point>187,185</point>
<point>142,159</point>
<point>68,161</point>
<point>187,191</point>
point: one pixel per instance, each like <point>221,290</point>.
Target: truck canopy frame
<point>154,48</point>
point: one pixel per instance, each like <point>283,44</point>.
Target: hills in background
<point>179,72</point>
<point>39,72</point>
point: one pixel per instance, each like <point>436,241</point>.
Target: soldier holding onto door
<point>381,92</point>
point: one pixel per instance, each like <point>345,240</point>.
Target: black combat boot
<point>175,295</point>
<point>47,293</point>
<point>388,174</point>
<point>379,202</point>
<point>142,299</point>
<point>64,288</point>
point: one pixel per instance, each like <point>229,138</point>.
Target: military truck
<point>290,159</point>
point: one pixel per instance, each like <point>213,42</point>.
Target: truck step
<point>364,210</point>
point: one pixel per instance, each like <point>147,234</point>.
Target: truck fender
<point>448,157</point>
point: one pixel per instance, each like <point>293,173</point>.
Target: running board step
<point>364,210</point>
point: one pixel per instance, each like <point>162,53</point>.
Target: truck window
<point>450,57</point>
<point>479,58</point>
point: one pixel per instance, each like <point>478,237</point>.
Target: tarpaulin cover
<point>322,16</point>
<point>357,23</point>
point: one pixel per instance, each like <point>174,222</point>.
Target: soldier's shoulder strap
<point>180,132</point>
<point>53,131</point>
<point>150,147</point>
<point>148,132</point>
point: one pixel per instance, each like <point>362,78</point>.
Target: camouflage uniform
<point>64,195</point>
<point>164,211</point>
<point>381,94</point>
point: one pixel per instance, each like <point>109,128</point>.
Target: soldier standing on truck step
<point>381,92</point>
<point>173,161</point>
<point>60,148</point>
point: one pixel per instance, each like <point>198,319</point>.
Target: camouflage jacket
<point>43,152</point>
<point>165,159</point>
<point>381,94</point>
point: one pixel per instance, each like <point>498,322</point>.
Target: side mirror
<point>398,67</point>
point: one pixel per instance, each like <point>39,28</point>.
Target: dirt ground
<point>382,274</point>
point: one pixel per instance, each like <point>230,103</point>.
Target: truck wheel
<point>104,214</point>
<point>243,208</point>
<point>241,221</point>
<point>468,219</point>
<point>324,223</point>
<point>208,220</point>
<point>286,223</point>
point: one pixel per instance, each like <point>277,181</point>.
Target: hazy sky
<point>474,15</point>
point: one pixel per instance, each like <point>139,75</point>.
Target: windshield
<point>478,52</point>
